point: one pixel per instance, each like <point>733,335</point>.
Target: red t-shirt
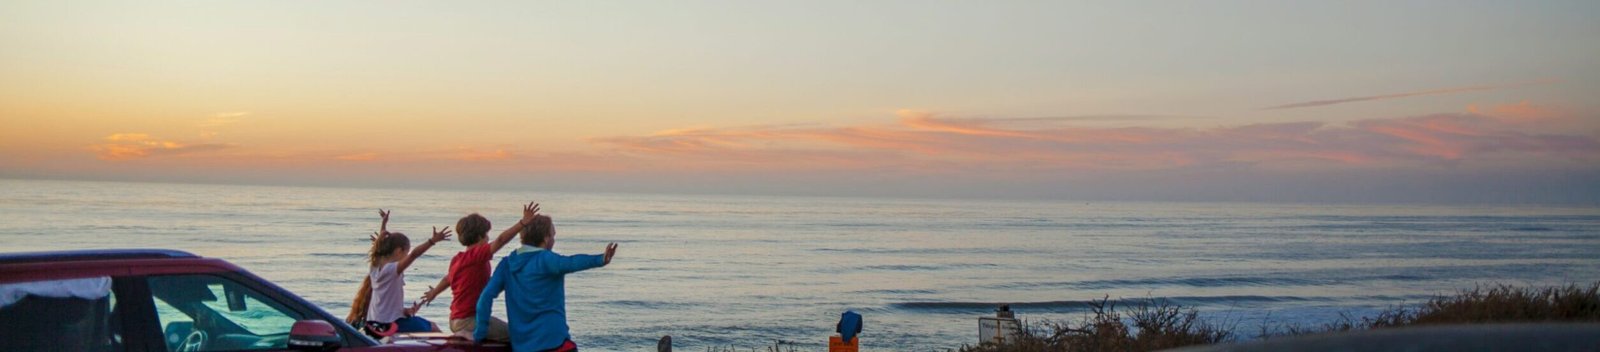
<point>469,273</point>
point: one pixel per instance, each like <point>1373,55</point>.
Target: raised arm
<point>567,264</point>
<point>497,283</point>
<point>438,236</point>
<point>528,211</point>
<point>383,228</point>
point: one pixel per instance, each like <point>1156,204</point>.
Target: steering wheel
<point>195,342</point>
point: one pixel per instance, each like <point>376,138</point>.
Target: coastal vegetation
<point>1143,325</point>
<point>1149,325</point>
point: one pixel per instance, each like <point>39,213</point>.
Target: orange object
<point>837,344</point>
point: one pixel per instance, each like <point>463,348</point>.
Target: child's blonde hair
<point>386,246</point>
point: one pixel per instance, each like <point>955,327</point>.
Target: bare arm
<point>383,229</point>
<point>438,236</point>
<point>433,291</point>
<point>528,211</point>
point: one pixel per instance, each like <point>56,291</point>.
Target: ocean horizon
<point>749,270</point>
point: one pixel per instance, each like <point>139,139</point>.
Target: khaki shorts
<point>498,330</point>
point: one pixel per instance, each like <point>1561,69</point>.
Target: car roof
<point>92,254</point>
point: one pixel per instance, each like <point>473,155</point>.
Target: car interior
<point>209,313</point>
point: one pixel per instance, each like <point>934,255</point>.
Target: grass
<point>1145,325</point>
<point>1479,305</point>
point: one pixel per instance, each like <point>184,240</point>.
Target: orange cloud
<point>469,154</point>
<point>924,121</point>
<point>127,146</point>
<point>927,143</point>
<point>127,137</point>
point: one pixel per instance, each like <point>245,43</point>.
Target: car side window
<point>58,315</point>
<point>212,313</point>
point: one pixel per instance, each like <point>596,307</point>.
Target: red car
<point>165,300</point>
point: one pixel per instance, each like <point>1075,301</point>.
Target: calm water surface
<point>750,270</point>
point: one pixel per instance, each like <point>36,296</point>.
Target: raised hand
<point>440,236</point>
<point>427,298</point>
<point>611,250</point>
<point>384,227</point>
<point>529,211</point>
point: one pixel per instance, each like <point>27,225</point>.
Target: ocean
<point>749,271</point>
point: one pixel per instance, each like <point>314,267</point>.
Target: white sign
<point>997,330</point>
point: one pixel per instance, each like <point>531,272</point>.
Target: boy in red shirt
<point>469,272</point>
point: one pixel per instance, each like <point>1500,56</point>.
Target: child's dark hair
<point>471,229</point>
<point>535,231</point>
<point>386,245</point>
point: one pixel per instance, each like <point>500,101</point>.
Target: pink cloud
<point>917,142</point>
<point>1521,111</point>
<point>925,141</point>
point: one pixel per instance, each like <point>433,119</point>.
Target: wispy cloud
<point>1521,111</point>
<point>127,146</point>
<point>474,154</point>
<point>127,137</point>
<point>924,141</point>
<point>1315,103</point>
<point>222,119</point>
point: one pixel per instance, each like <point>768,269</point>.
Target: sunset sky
<point>1382,101</point>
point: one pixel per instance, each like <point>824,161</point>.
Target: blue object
<point>413,324</point>
<point>536,296</point>
<point>849,325</point>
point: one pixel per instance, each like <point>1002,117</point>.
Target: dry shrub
<point>1153,324</point>
<point>1145,325</point>
<point>778,346</point>
<point>1505,303</point>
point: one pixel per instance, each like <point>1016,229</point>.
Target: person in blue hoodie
<point>533,278</point>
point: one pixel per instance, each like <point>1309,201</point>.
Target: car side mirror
<point>313,335</point>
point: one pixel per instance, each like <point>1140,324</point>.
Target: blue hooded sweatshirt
<point>536,296</point>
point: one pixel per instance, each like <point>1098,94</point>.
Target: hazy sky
<point>1447,101</point>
